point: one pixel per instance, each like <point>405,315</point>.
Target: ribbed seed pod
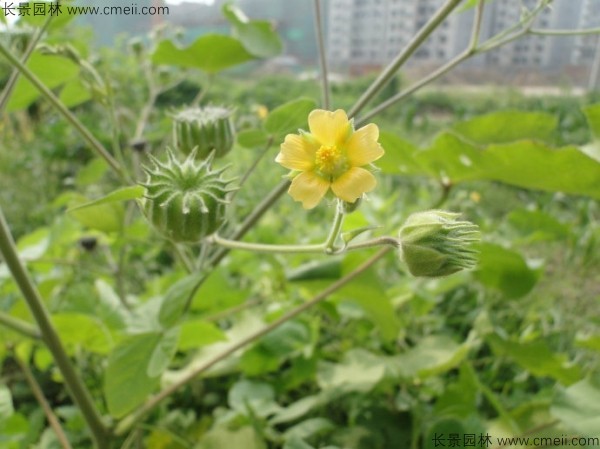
<point>185,201</point>
<point>206,129</point>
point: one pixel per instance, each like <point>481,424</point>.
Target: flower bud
<point>434,243</point>
<point>185,201</point>
<point>207,129</point>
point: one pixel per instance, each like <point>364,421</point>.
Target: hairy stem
<point>75,385</point>
<point>39,396</point>
<point>335,228</point>
<point>322,56</point>
<point>390,71</point>
<point>14,76</point>
<point>64,111</point>
<point>130,420</point>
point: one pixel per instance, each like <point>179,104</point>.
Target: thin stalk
<point>14,76</point>
<point>476,29</point>
<point>336,227</point>
<point>266,248</point>
<point>130,420</point>
<point>251,169</point>
<point>557,32</point>
<point>388,73</point>
<point>75,385</point>
<point>39,396</point>
<point>322,56</point>
<point>20,326</point>
<point>68,115</point>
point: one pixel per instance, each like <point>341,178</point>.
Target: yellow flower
<point>330,156</point>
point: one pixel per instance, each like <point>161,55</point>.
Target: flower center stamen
<point>329,160</point>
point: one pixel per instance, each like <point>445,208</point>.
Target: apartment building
<point>368,33</point>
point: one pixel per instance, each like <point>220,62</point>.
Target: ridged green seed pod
<point>434,243</point>
<point>185,201</point>
<point>206,129</point>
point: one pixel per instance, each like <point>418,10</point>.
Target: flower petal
<point>352,184</point>
<point>308,188</point>
<point>329,128</point>
<point>362,147</point>
<point>297,153</point>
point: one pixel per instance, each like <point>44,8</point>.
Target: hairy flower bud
<point>434,243</point>
<point>185,201</point>
<point>206,129</point>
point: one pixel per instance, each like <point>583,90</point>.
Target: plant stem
<point>20,326</point>
<point>335,228</point>
<point>74,384</point>
<point>388,73</point>
<point>85,133</point>
<point>556,32</point>
<point>14,76</point>
<point>253,166</point>
<point>266,248</point>
<point>39,396</point>
<point>322,55</point>
<point>130,420</point>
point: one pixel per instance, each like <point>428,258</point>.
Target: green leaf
<point>441,431</point>
<point>133,369</point>
<point>316,270</point>
<point>399,155</point>
<point>78,330</point>
<point>256,398</point>
<point>588,341</point>
<point>538,225</point>
<point>592,114</point>
<point>433,355</point>
<point>102,217</point>
<point>121,194</point>
<point>196,333</point>
<point>505,270</point>
<point>6,404</point>
<point>74,93</point>
<point>508,126</point>
<point>92,172</point>
<point>163,352</point>
<point>51,70</point>
<point>360,371</point>
<point>296,443</point>
<point>289,117</point>
<point>298,409</point>
<point>309,428</point>
<point>252,138</point>
<point>578,407</point>
<point>176,297</point>
<point>536,357</point>
<point>109,308</point>
<point>211,53</point>
<point>223,437</point>
<point>257,36</point>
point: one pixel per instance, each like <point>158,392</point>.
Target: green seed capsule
<point>207,129</point>
<point>185,201</point>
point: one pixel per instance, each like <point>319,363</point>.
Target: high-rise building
<point>368,33</point>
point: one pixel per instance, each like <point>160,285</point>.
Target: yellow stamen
<point>329,160</point>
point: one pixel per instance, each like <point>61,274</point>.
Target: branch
<point>39,396</point>
<point>387,74</point>
<point>130,420</point>
<point>75,385</point>
<point>68,115</point>
<point>20,326</point>
<point>322,56</point>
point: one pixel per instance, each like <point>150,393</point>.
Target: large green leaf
<point>223,437</point>
<point>592,114</point>
<point>211,53</point>
<point>254,398</point>
<point>537,358</point>
<point>196,333</point>
<point>578,407</point>
<point>399,155</point>
<point>102,217</point>
<point>6,404</point>
<point>360,371</point>
<point>82,331</point>
<point>51,70</point>
<point>508,126</point>
<point>176,298</point>
<point>257,36</point>
<point>505,270</point>
<point>526,163</point>
<point>289,117</point>
<point>134,368</point>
